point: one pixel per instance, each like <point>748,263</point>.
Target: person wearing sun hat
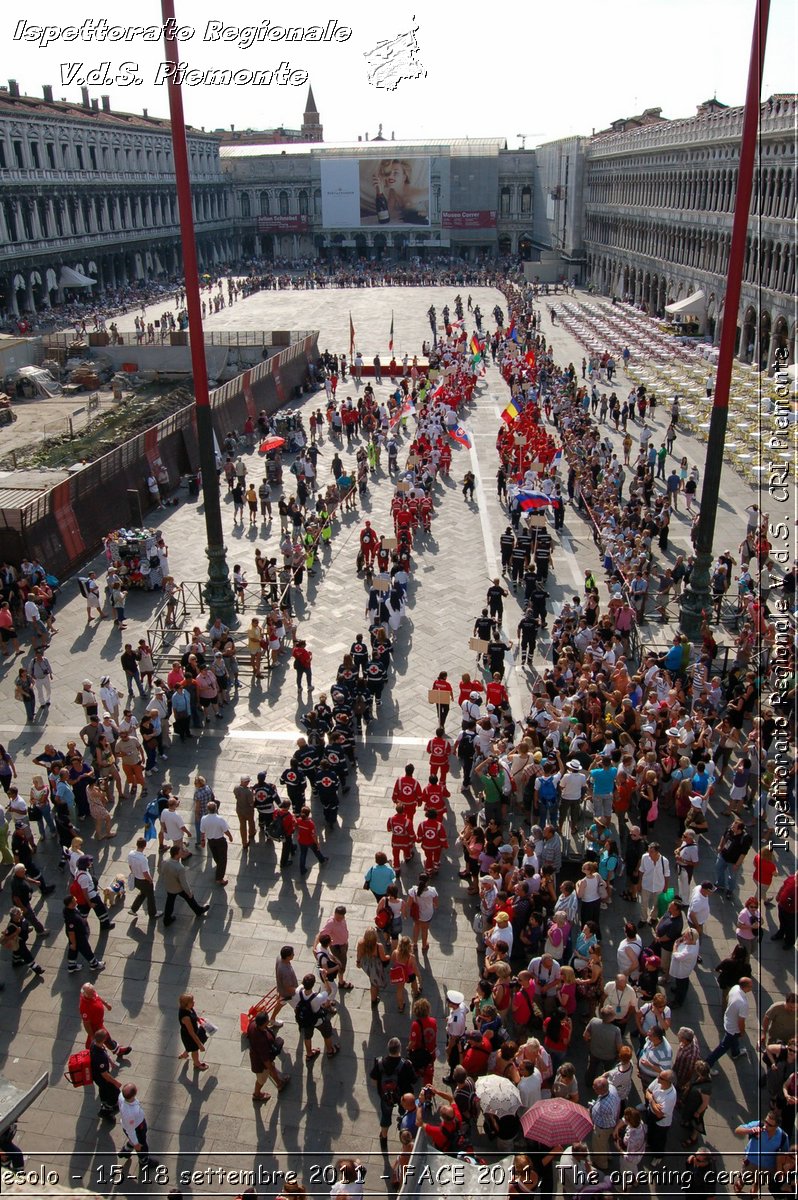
<point>456,1025</point>
<point>572,789</point>
<point>502,931</point>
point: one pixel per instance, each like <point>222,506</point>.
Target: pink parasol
<point>556,1122</point>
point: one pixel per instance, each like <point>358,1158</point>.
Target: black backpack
<point>388,1083</point>
<point>305,1016</point>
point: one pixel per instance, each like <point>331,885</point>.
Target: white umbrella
<point>498,1096</point>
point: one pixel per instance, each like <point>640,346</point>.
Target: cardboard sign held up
<point>412,461</point>
<point>403,486</point>
<point>536,521</point>
<point>389,543</point>
<point>537,467</point>
<point>520,439</point>
<point>480,645</point>
<point>381,585</point>
<point>439,697</point>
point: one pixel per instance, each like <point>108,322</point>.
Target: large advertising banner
<point>394,191</point>
<point>372,193</point>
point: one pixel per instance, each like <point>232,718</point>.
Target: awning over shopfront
<point>690,304</point>
<point>74,279</point>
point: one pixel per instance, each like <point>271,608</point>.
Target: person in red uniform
<point>302,665</point>
<point>435,796</point>
<point>496,692</point>
<point>307,839</point>
<point>403,838</point>
<point>383,558</point>
<point>431,836</point>
<point>92,1009</point>
<point>439,748</point>
<point>467,686</point>
<point>423,1041</point>
<point>403,519</point>
<point>442,684</point>
<point>407,789</point>
<point>425,511</point>
<point>446,460</point>
<point>369,543</point>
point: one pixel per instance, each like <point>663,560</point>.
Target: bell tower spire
<point>312,130</point>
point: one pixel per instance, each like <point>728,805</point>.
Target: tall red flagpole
<point>697,599</point>
<point>218,592</point>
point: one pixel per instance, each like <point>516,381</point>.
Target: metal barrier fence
<point>720,663</point>
<point>162,633</point>
<point>96,339</point>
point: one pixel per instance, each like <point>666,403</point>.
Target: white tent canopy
<point>690,304</point>
<point>74,279</point>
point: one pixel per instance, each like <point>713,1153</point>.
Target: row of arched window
<point>279,203</point>
<point>768,263</point>
<point>30,153</point>
<point>701,191</point>
<point>29,219</point>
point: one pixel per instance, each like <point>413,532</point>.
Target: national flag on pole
<point>407,408</point>
<point>390,339</point>
<point>351,337</point>
<point>530,358</point>
<point>459,435</point>
<point>557,456</point>
<point>514,335</point>
<point>475,345</point>
<point>510,413</point>
<point>530,501</point>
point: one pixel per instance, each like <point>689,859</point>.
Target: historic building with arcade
<point>88,202</point>
<point>641,210</point>
<point>657,208</point>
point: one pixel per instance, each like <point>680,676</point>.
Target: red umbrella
<point>556,1122</point>
<point>271,443</point>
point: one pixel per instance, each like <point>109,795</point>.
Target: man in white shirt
<point>530,1084</point>
<point>134,1125</point>
<point>546,974</point>
<point>620,995</point>
<point>734,1019</point>
<point>661,1097</point>
<point>173,827</point>
<point>216,833</point>
<point>32,614</point>
<point>502,931</point>
<point>312,1009</point>
<point>655,872</point>
<point>698,912</point>
<point>143,881</point>
<point>572,789</point>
